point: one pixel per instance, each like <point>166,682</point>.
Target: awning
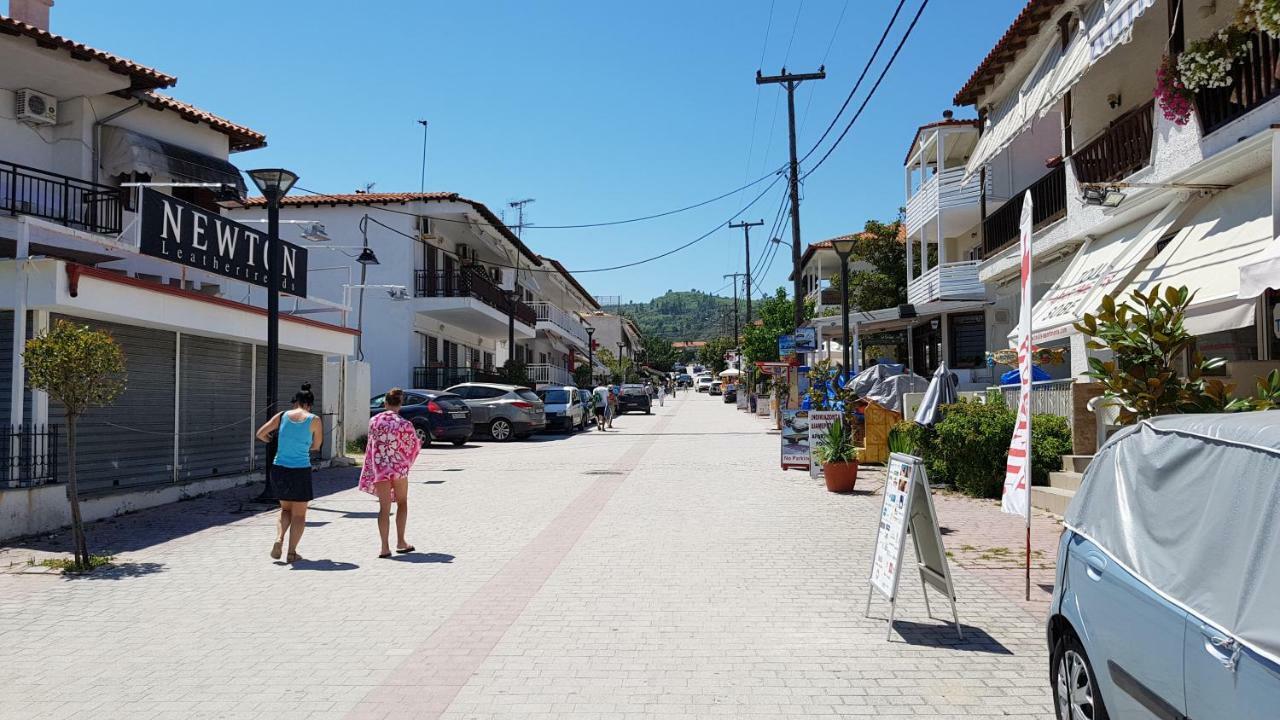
<point>1100,266</point>
<point>1262,274</point>
<point>892,319</point>
<point>1206,256</point>
<point>1116,27</point>
<point>125,151</point>
<point>1055,74</point>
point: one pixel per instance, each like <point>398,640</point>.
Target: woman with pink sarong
<point>391,450</point>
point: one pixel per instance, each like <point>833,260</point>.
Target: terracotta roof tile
<point>1026,24</point>
<point>241,137</point>
<point>141,76</point>
<point>973,122</point>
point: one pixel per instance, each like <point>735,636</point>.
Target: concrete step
<point>1051,499</point>
<point>1064,480</point>
<point>1076,463</point>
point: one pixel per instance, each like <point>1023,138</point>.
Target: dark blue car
<point>435,414</point>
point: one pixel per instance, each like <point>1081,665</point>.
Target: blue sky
<point>599,111</point>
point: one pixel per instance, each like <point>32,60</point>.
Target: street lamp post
<point>844,248</point>
<point>591,356</point>
<point>274,183</point>
<point>622,369</point>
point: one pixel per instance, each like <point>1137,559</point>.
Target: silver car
<point>503,411</point>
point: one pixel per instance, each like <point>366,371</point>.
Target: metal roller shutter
<point>130,442</point>
<point>216,414</point>
<point>295,369</point>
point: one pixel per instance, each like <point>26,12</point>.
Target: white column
<point>942,246</point>
<point>946,338</point>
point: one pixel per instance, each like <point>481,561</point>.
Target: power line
<point>830,44</point>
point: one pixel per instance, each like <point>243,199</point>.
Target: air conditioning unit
<point>464,252</point>
<point>36,108</point>
<point>426,227</point>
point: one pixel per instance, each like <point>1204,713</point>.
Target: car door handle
<point>1096,564</point>
<point>1223,649</point>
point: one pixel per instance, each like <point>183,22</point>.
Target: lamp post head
<point>273,183</point>
<point>367,257</point>
<point>844,246</point>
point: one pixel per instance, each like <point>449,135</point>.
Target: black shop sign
<point>178,231</point>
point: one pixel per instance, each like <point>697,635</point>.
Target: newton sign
<point>178,231</point>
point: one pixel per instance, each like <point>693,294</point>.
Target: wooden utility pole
<point>746,236</point>
<point>792,81</point>
<point>735,277</point>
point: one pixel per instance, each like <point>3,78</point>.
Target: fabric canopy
<point>125,151</point>
<point>1189,504</point>
<point>1258,276</point>
<point>1116,26</point>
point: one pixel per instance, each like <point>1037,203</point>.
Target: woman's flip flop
<point>406,550</point>
<point>384,556</point>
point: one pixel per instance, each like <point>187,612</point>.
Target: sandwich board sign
<point>795,439</point>
<point>819,422</point>
<point>908,510</point>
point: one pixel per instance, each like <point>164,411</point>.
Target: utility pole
<point>746,236</point>
<point>735,277</point>
<point>519,206</point>
<point>792,81</point>
<point>422,184</point>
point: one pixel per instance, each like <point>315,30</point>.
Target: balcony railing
<point>466,283</point>
<point>942,191</point>
<point>30,456</point>
<point>1048,204</point>
<point>1047,396</point>
<point>439,378</point>
<point>547,312</point>
<point>1119,151</point>
<point>1253,83</point>
<point>544,373</point>
<point>952,281</point>
<point>60,198</point>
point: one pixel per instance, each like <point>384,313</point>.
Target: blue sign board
<point>806,339</point>
<point>786,345</point>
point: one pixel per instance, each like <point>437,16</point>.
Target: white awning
<point>1229,231</point>
<point>1116,27</point>
<point>1100,266</point>
<point>1262,274</point>
<point>1054,75</point>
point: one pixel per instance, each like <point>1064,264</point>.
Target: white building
<point>77,122</point>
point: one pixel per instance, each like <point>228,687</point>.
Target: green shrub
<point>1050,440</point>
<point>971,445</point>
<point>358,445</point>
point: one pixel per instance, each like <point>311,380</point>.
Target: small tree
<point>618,367</point>
<point>582,377</point>
<point>515,372</point>
<point>79,368</point>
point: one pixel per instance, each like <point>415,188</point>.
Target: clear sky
<point>598,110</point>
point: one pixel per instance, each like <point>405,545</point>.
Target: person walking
<point>612,410</point>
<point>298,434</point>
<point>393,447</point>
<point>600,405</point>
<point>662,395</point>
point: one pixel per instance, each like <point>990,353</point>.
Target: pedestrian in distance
<point>662,395</point>
<point>600,405</point>
<point>298,434</point>
<point>393,447</point>
<point>612,410</point>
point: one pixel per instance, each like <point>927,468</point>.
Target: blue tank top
<point>293,442</point>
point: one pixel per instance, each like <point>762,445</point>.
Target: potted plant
<point>839,458</point>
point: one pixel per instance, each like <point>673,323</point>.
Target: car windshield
<point>527,394</point>
<point>554,397</point>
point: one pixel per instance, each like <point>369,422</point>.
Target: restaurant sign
<point>178,231</point>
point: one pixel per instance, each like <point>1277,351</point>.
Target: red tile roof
<point>333,200</point>
<point>972,122</point>
<point>241,137</point>
<point>573,281</point>
<point>1006,50</point>
<point>813,248</point>
<point>141,76</point>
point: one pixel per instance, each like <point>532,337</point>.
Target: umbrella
<point>942,391</point>
<point>731,372</point>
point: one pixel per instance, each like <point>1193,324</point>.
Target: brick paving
<point>664,570</point>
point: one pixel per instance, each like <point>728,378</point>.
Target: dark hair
<point>304,396</point>
<point>394,397</point>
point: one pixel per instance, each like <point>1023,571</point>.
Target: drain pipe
<point>97,133</point>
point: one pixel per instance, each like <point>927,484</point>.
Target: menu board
<point>887,560</point>
<point>819,422</point>
<point>795,439</point>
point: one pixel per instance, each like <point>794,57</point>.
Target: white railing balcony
<point>943,191</point>
<point>546,374</point>
<point>560,322</point>
<point>952,281</point>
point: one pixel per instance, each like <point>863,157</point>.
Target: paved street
<point>664,570</point>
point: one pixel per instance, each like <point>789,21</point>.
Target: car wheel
<point>647,411</point>
<point>459,443</point>
<point>424,435</point>
<point>1075,687</point>
<point>500,430</point>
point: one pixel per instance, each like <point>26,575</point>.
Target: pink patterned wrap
<point>392,448</point>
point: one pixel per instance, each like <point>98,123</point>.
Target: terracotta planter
<point>840,477</point>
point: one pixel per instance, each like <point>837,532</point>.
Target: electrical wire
<point>804,117</point>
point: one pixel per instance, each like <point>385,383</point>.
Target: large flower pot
<point>840,476</point>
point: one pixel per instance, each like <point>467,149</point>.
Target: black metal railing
<point>1253,83</point>
<point>1048,203</point>
<point>29,456</point>
<point>1119,151</point>
<point>439,378</point>
<point>468,283</point>
<point>61,199</point>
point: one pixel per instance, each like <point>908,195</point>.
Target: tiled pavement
<point>664,570</point>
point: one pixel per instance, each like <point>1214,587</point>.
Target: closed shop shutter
<point>216,422</point>
<point>129,442</point>
<point>295,369</point>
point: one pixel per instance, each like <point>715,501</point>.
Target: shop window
<point>1239,345</point>
<point>488,361</point>
<point>968,340</point>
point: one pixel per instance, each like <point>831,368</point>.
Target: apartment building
<point>562,341</point>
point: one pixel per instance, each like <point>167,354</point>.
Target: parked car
<point>731,393</point>
<point>703,383</point>
<point>566,410</point>
<point>715,388</point>
<point>634,397</point>
<point>684,380</point>
<point>435,414</point>
<point>1165,600</point>
<point>503,411</point>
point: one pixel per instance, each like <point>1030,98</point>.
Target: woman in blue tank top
<point>298,434</point>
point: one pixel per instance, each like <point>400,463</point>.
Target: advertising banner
<point>187,234</point>
<point>786,347</point>
<point>806,339</point>
<point>795,439</point>
<point>819,422</point>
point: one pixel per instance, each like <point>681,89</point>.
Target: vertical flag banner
<point>1016,498</point>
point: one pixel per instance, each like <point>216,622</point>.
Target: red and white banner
<point>1017,479</point>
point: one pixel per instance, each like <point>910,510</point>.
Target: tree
<point>79,368</point>
<point>515,372</point>
<point>777,317</point>
<point>582,377</point>
<point>618,367</point>
<point>712,354</point>
<point>885,285</point>
<point>658,352</point>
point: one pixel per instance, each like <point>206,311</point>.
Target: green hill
<point>682,315</point>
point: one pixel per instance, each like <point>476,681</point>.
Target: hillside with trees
<point>683,315</point>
